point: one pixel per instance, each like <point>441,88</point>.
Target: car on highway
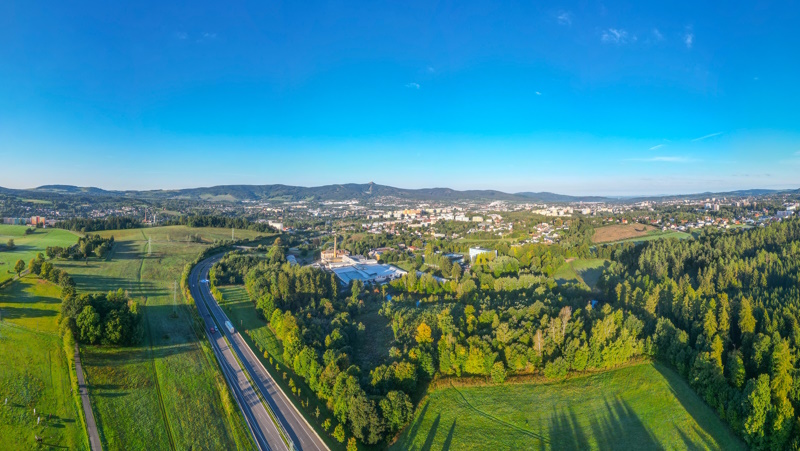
<point>213,329</point>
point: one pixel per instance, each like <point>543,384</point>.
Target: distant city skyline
<point>578,98</point>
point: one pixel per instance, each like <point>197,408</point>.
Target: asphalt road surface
<point>302,435</point>
<point>91,425</point>
<point>263,428</point>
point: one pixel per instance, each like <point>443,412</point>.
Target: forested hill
<point>348,191</point>
<point>318,193</point>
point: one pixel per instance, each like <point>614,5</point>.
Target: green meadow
<point>584,271</point>
<point>27,246</point>
<point>641,407</point>
<point>35,372</point>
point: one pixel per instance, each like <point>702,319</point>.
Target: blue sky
<point>573,97</point>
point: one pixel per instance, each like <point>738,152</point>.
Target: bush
<point>338,433</point>
<point>498,373</point>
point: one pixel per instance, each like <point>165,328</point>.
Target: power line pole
<point>232,238</point>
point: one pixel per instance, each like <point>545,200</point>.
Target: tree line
<point>86,225</point>
<point>222,222</point>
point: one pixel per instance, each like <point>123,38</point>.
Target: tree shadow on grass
<point>100,356</point>
<point>622,429</point>
<point>26,313</point>
<point>690,403</point>
<point>413,428</point>
<point>87,283</point>
<point>592,275</point>
<point>431,434</point>
<point>449,440</point>
<point>565,432</point>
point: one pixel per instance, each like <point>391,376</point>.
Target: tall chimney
<point>334,247</point>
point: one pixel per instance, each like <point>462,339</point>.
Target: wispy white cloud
<point>657,146</point>
<point>711,135</point>
<point>430,70</point>
<point>797,153</point>
<point>181,35</point>
<point>688,39</point>
<point>663,159</point>
<point>616,36</point>
<point>538,93</point>
<point>412,85</point>
<point>564,18</point>
<point>206,36</point>
<point>657,35</point>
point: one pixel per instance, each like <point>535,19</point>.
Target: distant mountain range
<point>349,191</point>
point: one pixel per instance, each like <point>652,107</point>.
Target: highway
<point>263,428</point>
<point>301,434</point>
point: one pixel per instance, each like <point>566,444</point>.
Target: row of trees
<point>221,221</point>
<point>85,225</point>
<point>45,270</point>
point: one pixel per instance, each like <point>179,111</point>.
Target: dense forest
<point>724,309</point>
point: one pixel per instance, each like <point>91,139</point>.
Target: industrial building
<point>367,271</point>
<point>475,251</point>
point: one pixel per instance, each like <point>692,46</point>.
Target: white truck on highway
<point>229,326</point>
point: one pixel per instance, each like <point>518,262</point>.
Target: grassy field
<point>657,236</point>
<point>240,310</point>
<point>168,392</point>
<point>31,303</point>
<point>27,246</point>
<point>641,407</point>
<point>35,372</point>
<point>585,271</point>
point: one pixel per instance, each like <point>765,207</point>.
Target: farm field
<point>168,392</point>
<point>27,246</point>
<point>634,233</point>
<point>35,372</point>
<point>619,232</point>
<point>585,271</point>
<point>639,407</point>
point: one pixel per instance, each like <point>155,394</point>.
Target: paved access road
<point>299,431</point>
<point>91,425</point>
<point>263,428</point>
